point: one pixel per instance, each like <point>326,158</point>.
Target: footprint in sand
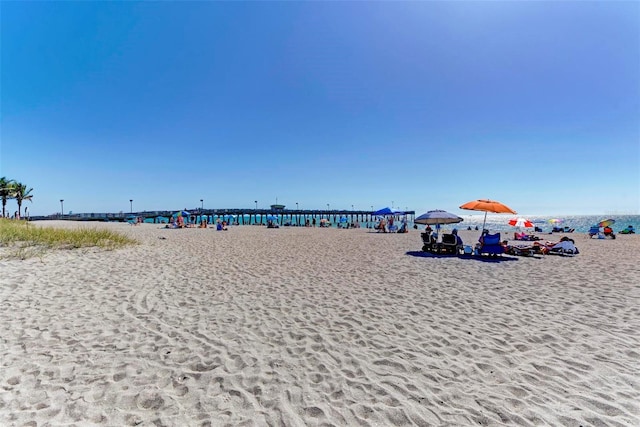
<point>149,400</point>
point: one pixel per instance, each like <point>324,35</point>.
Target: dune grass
<point>24,240</point>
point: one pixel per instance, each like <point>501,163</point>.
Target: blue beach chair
<point>490,245</point>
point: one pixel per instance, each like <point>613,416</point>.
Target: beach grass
<point>25,240</point>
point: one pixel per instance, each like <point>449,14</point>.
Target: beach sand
<point>309,327</point>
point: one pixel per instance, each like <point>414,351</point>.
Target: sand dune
<point>299,326</point>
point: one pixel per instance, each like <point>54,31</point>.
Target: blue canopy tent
<point>384,211</point>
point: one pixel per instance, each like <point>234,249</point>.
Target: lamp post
<point>352,208</point>
<point>130,205</point>
<point>296,205</point>
<point>327,206</point>
<point>256,202</point>
<point>62,207</point>
<point>201,204</point>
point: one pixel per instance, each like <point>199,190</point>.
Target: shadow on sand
<point>497,259</point>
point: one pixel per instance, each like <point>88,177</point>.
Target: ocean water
<point>495,222</point>
<point>581,223</point>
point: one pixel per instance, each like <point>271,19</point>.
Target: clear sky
<point>426,105</point>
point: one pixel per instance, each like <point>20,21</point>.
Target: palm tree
<point>21,193</point>
<point>6,191</point>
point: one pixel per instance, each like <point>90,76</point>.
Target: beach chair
<point>428,242</point>
<point>525,250</point>
<point>450,244</point>
<point>490,245</point>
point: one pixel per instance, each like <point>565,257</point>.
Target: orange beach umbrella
<point>485,205</point>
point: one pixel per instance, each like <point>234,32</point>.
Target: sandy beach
<point>318,327</point>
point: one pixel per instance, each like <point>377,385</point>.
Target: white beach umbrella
<point>521,222</point>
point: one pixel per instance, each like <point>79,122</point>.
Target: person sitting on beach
<point>458,239</point>
<point>608,231</point>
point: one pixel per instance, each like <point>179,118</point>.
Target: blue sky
<point>425,105</point>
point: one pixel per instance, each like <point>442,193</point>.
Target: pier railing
<point>235,215</point>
